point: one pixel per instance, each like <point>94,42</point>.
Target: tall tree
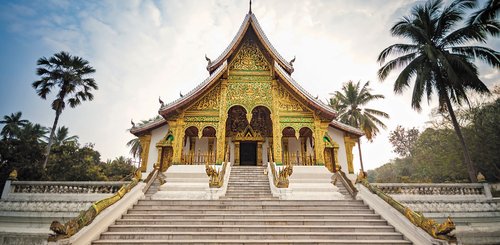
<point>350,104</point>
<point>135,147</point>
<point>437,60</point>
<point>488,13</point>
<point>69,75</point>
<point>12,124</point>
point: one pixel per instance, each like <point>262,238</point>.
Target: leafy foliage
<point>437,156</point>
<point>437,60</point>
<point>350,104</point>
<point>403,140</point>
<point>23,150</point>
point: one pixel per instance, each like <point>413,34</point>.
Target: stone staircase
<point>249,214</point>
<point>248,182</point>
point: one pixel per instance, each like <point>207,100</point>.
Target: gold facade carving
<point>144,140</point>
<point>249,58</point>
<point>249,94</point>
<point>208,102</point>
<point>287,102</point>
<point>349,144</point>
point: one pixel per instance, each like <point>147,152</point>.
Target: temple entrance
<point>248,153</point>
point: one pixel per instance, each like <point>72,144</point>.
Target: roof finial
<point>250,9</point>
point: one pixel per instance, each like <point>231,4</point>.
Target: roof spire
<point>250,9</point>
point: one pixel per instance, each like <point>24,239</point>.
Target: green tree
<point>350,104</point>
<point>62,136</point>
<point>135,147</point>
<point>437,60</point>
<point>121,168</point>
<point>403,140</point>
<point>69,74</point>
<point>12,125</point>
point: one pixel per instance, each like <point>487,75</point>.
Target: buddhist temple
<point>250,110</point>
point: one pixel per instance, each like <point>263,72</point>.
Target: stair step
<point>275,221</point>
<point>250,235</point>
<point>252,216</point>
<point>249,228</point>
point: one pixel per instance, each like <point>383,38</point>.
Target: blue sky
<point>145,49</point>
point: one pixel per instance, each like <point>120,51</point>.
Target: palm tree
<point>61,136</point>
<point>69,75</point>
<point>32,133</point>
<point>12,125</point>
<point>437,60</point>
<point>485,15</point>
<point>350,103</point>
<point>135,147</point>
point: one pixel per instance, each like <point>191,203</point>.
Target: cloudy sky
<point>145,49</point>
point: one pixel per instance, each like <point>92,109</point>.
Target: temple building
<point>248,111</point>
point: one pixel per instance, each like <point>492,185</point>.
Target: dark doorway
<point>248,153</point>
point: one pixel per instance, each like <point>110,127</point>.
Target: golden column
<point>237,153</point>
<point>320,128</point>
<point>177,129</point>
<point>221,129</point>
<point>275,117</point>
<point>145,141</point>
<point>349,144</point>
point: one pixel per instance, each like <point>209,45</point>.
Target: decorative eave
<point>250,20</point>
<point>326,111</point>
<point>347,128</point>
<point>193,94</point>
<point>140,130</point>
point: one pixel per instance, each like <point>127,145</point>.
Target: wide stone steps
<point>249,214</point>
<point>291,236</point>
<point>250,228</point>
<point>271,221</point>
<point>254,211</point>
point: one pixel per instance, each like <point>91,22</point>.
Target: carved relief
<point>249,58</point>
<point>210,101</point>
<point>287,102</point>
<point>249,94</point>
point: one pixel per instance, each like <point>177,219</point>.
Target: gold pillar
<point>236,153</point>
<point>320,128</point>
<point>259,153</point>
<point>177,143</point>
<point>275,117</point>
<point>349,144</point>
<point>286,153</point>
<point>145,141</point>
<point>221,129</point>
<point>210,152</point>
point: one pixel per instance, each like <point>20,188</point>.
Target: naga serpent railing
<point>216,176</point>
<point>339,174</point>
<point>280,176</point>
<point>62,231</point>
<point>438,231</point>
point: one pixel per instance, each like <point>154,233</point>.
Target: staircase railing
<point>340,175</point>
<point>439,231</point>
<point>62,231</point>
<point>216,175</point>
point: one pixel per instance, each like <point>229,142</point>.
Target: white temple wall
<point>156,136</point>
<point>338,137</point>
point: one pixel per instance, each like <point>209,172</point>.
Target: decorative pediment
<point>249,58</point>
<point>287,102</point>
<point>248,135</point>
<point>210,101</point>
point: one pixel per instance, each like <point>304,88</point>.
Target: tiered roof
<point>217,68</point>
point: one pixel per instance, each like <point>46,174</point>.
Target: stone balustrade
<point>432,189</point>
<point>62,187</point>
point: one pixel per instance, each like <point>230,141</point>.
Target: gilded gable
<point>209,101</point>
<point>287,102</point>
<point>249,58</point>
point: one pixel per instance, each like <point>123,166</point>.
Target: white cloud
<point>146,49</point>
